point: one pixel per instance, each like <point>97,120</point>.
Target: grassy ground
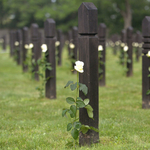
<point>29,123</point>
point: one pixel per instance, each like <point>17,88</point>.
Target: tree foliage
<point>19,13</point>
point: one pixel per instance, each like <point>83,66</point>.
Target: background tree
<point>116,14</point>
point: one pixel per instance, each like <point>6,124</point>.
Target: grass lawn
<point>30,123</point>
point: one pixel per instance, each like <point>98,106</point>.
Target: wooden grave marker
<point>50,39</point>
<point>102,51</point>
<point>25,43</point>
<point>129,52</point>
<point>74,45</point>
<point>36,50</point>
<point>18,47</point>
<point>60,46</point>
<point>123,43</point>
<point>88,53</point>
<point>145,63</point>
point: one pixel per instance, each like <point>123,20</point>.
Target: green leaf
<point>68,83</point>
<point>69,144</point>
<point>73,86</point>
<point>83,88</point>
<point>86,101</point>
<point>149,75</point>
<point>38,61</point>
<point>129,61</point>
<point>94,129</point>
<point>49,68</point>
<point>75,133</point>
<point>85,128</point>
<point>148,92</point>
<point>89,111</point>
<point>72,115</point>
<point>80,103</point>
<point>64,112</point>
<point>69,126</point>
<point>79,98</point>
<point>70,100</point>
<point>77,125</point>
<point>73,109</point>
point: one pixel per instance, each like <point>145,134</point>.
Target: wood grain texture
<point>102,41</point>
<point>129,52</point>
<point>145,62</point>
<point>50,39</point>
<point>25,40</point>
<point>88,53</point>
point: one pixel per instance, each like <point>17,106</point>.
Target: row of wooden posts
<point>86,42</point>
<point>139,42</point>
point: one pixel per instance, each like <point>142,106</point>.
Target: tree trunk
<point>127,15</point>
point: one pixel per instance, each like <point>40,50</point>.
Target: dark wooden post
<point>129,52</point>
<point>123,42</point>
<point>25,41</point>
<point>40,43</point>
<point>69,41</point>
<point>11,42</point>
<point>115,38</point>
<point>36,50</point>
<point>138,40</point>
<point>102,36</point>
<point>145,62</point>
<point>18,46</point>
<point>60,46</point>
<point>88,53</point>
<point>50,39</point>
<point>74,47</point>
<point>4,42</point>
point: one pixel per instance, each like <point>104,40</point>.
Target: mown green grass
<point>29,123</point>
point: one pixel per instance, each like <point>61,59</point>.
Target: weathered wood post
<point>50,39</point>
<point>75,44</point>
<point>102,51</point>
<point>145,62</point>
<point>4,43</point>
<point>129,52</point>
<point>123,42</point>
<point>36,50</point>
<point>18,46</point>
<point>69,41</point>
<point>25,42</point>
<point>40,43</point>
<point>60,46</point>
<point>138,40</point>
<point>88,53</point>
<point>11,42</point>
<point>115,38</point>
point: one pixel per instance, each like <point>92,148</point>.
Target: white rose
<point>100,48</point>
<point>79,66</point>
<point>44,48</point>
<point>148,54</point>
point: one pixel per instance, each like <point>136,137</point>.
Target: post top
<point>87,19</point>
<point>123,31</point>
<point>129,32</point>
<point>89,5</point>
<point>146,26</point>
<point>102,30</point>
<point>25,28</point>
<point>75,28</point>
<point>49,27</point>
<point>34,30</point>
<point>102,25</point>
